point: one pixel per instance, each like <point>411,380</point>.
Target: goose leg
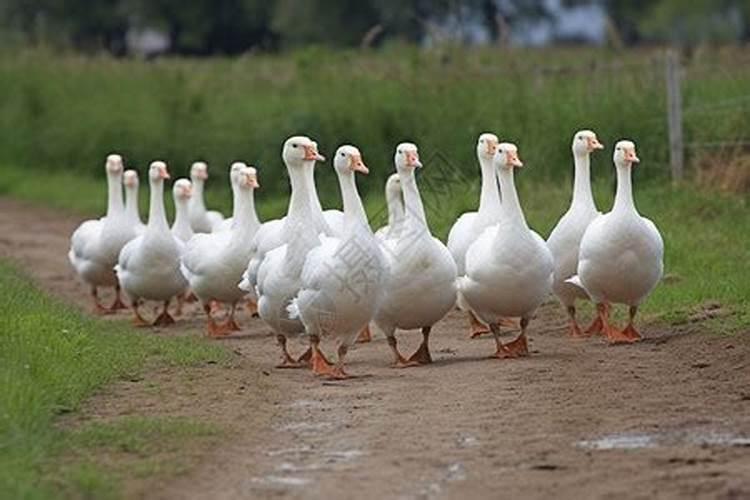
<point>99,309</point>
<point>630,332</point>
<point>365,335</point>
<point>501,352</point>
<point>287,360</point>
<point>575,330</point>
<point>614,336</point>
<point>422,354</point>
<point>476,327</point>
<point>231,324</point>
<point>164,319</point>
<point>252,308</point>
<point>320,365</point>
<point>338,369</point>
<point>138,320</point>
<point>519,347</point>
<point>399,360</point>
<point>118,304</point>
<point>597,327</point>
<point>213,329</point>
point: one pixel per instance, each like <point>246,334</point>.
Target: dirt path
<point>669,417</point>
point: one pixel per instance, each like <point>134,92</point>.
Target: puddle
<point>632,441</point>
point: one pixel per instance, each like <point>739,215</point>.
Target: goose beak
<point>513,159</point>
<point>187,192</point>
<point>164,173</point>
<point>311,154</point>
<point>356,164</point>
<point>631,157</point>
<point>252,182</point>
<point>491,148</point>
<point>595,144</point>
<point>412,159</point>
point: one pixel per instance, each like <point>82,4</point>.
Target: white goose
<point>132,202</point>
<point>213,263</point>
<point>422,285</point>
<point>182,191</point>
<point>343,278</point>
<point>280,247</point>
<point>470,225</point>
<point>621,255</point>
<point>201,220</point>
<point>509,268</point>
<point>395,203</point>
<point>565,239</point>
<point>95,244</point>
<point>149,265</point>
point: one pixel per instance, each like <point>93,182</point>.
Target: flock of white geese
<point>327,274</point>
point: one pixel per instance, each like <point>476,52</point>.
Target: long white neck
<point>181,217</point>
<point>624,194</point>
<point>157,219</point>
<point>412,199</point>
<point>354,212</point>
<point>235,201</point>
<point>582,182</point>
<point>303,203</point>
<point>489,198</point>
<point>114,195</point>
<point>511,206</point>
<point>132,210</point>
<point>245,218</point>
<point>395,203</point>
<point>196,201</point>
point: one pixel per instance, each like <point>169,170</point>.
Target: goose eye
<point>294,145</point>
<point>400,152</point>
<point>342,154</point>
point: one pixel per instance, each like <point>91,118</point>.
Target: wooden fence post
<point>674,116</point>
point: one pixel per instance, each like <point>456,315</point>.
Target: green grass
<point>51,359</point>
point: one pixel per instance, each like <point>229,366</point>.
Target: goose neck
<point>157,219</point>
<point>489,198</point>
<point>114,195</point>
<point>196,201</point>
<point>582,182</point>
<point>132,204</point>
<point>412,199</point>
<point>245,218</point>
<point>353,209</point>
<point>624,194</point>
<point>511,205</point>
<point>395,204</point>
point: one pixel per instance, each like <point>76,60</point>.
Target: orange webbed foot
<point>164,319</point>
<point>320,364</point>
<point>365,335</point>
<point>421,356</point>
<point>632,333</point>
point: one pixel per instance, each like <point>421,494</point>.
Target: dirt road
<point>669,417</point>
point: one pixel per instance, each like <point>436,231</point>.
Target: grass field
<point>51,359</point>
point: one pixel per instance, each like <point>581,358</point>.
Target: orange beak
<point>187,192</point>
<point>311,154</point>
<point>631,157</point>
<point>513,159</point>
<point>412,159</point>
<point>594,144</point>
<point>251,181</point>
<point>356,164</point>
<point>164,173</point>
<point>491,147</point>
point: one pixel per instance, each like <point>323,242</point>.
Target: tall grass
<point>64,112</point>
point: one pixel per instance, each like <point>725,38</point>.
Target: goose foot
<point>476,327</point>
<point>399,360</point>
<point>232,325</point>
<point>365,335</point>
<point>287,361</point>
<point>213,329</point>
<point>138,320</point>
<point>99,309</point>
<point>190,297</point>
<point>252,308</point>
<point>164,319</point>
<point>600,323</point>
<point>321,365</point>
<point>518,347</point>
<point>118,304</point>
<point>514,349</point>
<point>632,333</point>
<point>422,355</point>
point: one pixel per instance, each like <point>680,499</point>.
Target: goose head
<point>198,172</point>
<point>393,186</point>
<point>114,165</point>
<point>486,146</point>
<point>300,149</point>
<point>585,142</point>
<point>348,160</point>
<point>624,155</point>
<point>130,179</point>
<point>182,190</point>
<point>157,172</point>
<point>234,172</point>
<point>506,156</point>
<point>247,177</point>
<point>407,157</point>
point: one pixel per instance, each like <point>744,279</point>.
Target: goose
<point>509,267</point>
<point>342,282</point>
<point>621,258</point>
<point>132,202</point>
<point>182,191</point>
<point>213,263</point>
<point>565,239</point>
<point>96,243</point>
<point>201,220</point>
<point>422,285</point>
<point>148,266</point>
<point>280,246</point>
<point>470,225</point>
<point>395,204</point>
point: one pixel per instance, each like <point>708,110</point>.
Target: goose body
<point>421,289</point>
<point>201,220</point>
<point>213,263</point>
<point>149,265</point>
<point>95,244</point>
<point>565,239</point>
<point>509,268</point>
<point>621,253</point>
<point>342,282</point>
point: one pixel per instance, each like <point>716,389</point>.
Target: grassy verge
<point>706,233</point>
<point>51,359</point>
